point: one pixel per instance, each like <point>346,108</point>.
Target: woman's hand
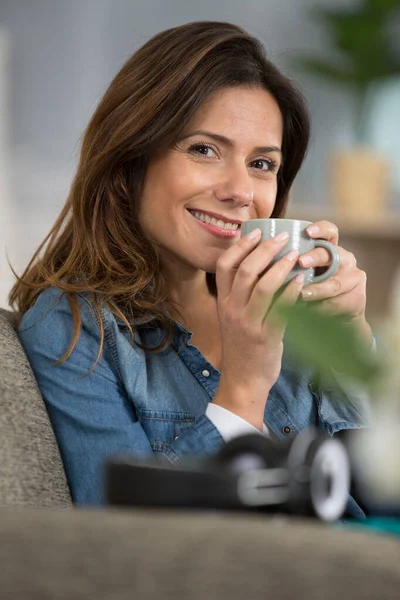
<point>251,331</point>
<point>345,292</point>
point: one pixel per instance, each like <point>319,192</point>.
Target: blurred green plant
<point>325,342</point>
<point>367,38</point>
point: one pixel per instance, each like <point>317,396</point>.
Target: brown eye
<point>262,164</point>
<point>203,149</point>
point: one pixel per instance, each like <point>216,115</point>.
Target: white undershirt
<point>230,425</point>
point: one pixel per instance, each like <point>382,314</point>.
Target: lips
<point>214,228</point>
<point>218,217</point>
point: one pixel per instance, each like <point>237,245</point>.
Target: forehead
<point>241,112</point>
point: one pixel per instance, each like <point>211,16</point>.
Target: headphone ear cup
<point>248,452</point>
<point>320,476</point>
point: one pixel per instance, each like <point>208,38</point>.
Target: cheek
<point>174,183</point>
<point>187,180</point>
<point>266,198</point>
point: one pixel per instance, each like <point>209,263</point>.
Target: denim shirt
<point>145,403</point>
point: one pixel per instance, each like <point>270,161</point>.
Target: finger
<point>320,257</point>
<point>268,285</point>
<point>229,262</point>
<point>248,272</point>
<point>274,322</point>
<point>334,286</point>
<point>324,230</point>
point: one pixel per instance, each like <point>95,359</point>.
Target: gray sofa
<point>52,550</point>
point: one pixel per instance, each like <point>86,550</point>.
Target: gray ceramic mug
<point>298,240</point>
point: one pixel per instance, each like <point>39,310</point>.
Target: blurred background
<point>57,57</point>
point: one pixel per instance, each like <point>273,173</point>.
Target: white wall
<point>64,54</point>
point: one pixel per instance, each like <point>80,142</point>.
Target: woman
<point>143,314</point>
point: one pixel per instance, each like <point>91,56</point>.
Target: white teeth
<point>213,221</point>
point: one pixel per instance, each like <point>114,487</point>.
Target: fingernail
<point>313,229</point>
<point>281,237</point>
<point>253,234</point>
<point>306,261</point>
<point>306,293</point>
<point>299,278</point>
<point>292,255</point>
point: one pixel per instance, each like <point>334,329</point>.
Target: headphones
<point>308,475</point>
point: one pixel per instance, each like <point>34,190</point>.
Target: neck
<point>190,292</point>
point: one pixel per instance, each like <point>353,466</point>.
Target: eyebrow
<point>228,142</point>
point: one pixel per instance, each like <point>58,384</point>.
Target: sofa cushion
<point>31,470</point>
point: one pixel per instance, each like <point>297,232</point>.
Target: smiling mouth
<point>226,226</point>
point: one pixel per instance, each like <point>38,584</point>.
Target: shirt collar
<point>149,321</point>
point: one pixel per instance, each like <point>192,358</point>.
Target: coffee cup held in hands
<point>298,240</point>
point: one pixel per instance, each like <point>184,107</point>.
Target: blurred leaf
<point>327,342</point>
<point>384,7</point>
<point>362,36</point>
<point>329,71</point>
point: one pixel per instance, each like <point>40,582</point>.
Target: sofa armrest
<point>118,554</point>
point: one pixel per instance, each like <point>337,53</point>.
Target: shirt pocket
<point>162,427</point>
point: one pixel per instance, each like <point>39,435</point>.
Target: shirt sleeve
<point>230,425</point>
<point>356,391</point>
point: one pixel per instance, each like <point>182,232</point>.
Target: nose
<point>236,186</point>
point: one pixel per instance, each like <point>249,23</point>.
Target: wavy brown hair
<point>97,245</point>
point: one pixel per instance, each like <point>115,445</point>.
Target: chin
<point>209,266</point>
<point>206,260</point>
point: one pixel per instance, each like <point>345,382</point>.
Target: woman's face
<point>222,171</point>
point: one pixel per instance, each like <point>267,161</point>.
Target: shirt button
<point>286,430</point>
<point>205,373</point>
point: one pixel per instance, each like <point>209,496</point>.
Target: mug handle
<point>333,251</point>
